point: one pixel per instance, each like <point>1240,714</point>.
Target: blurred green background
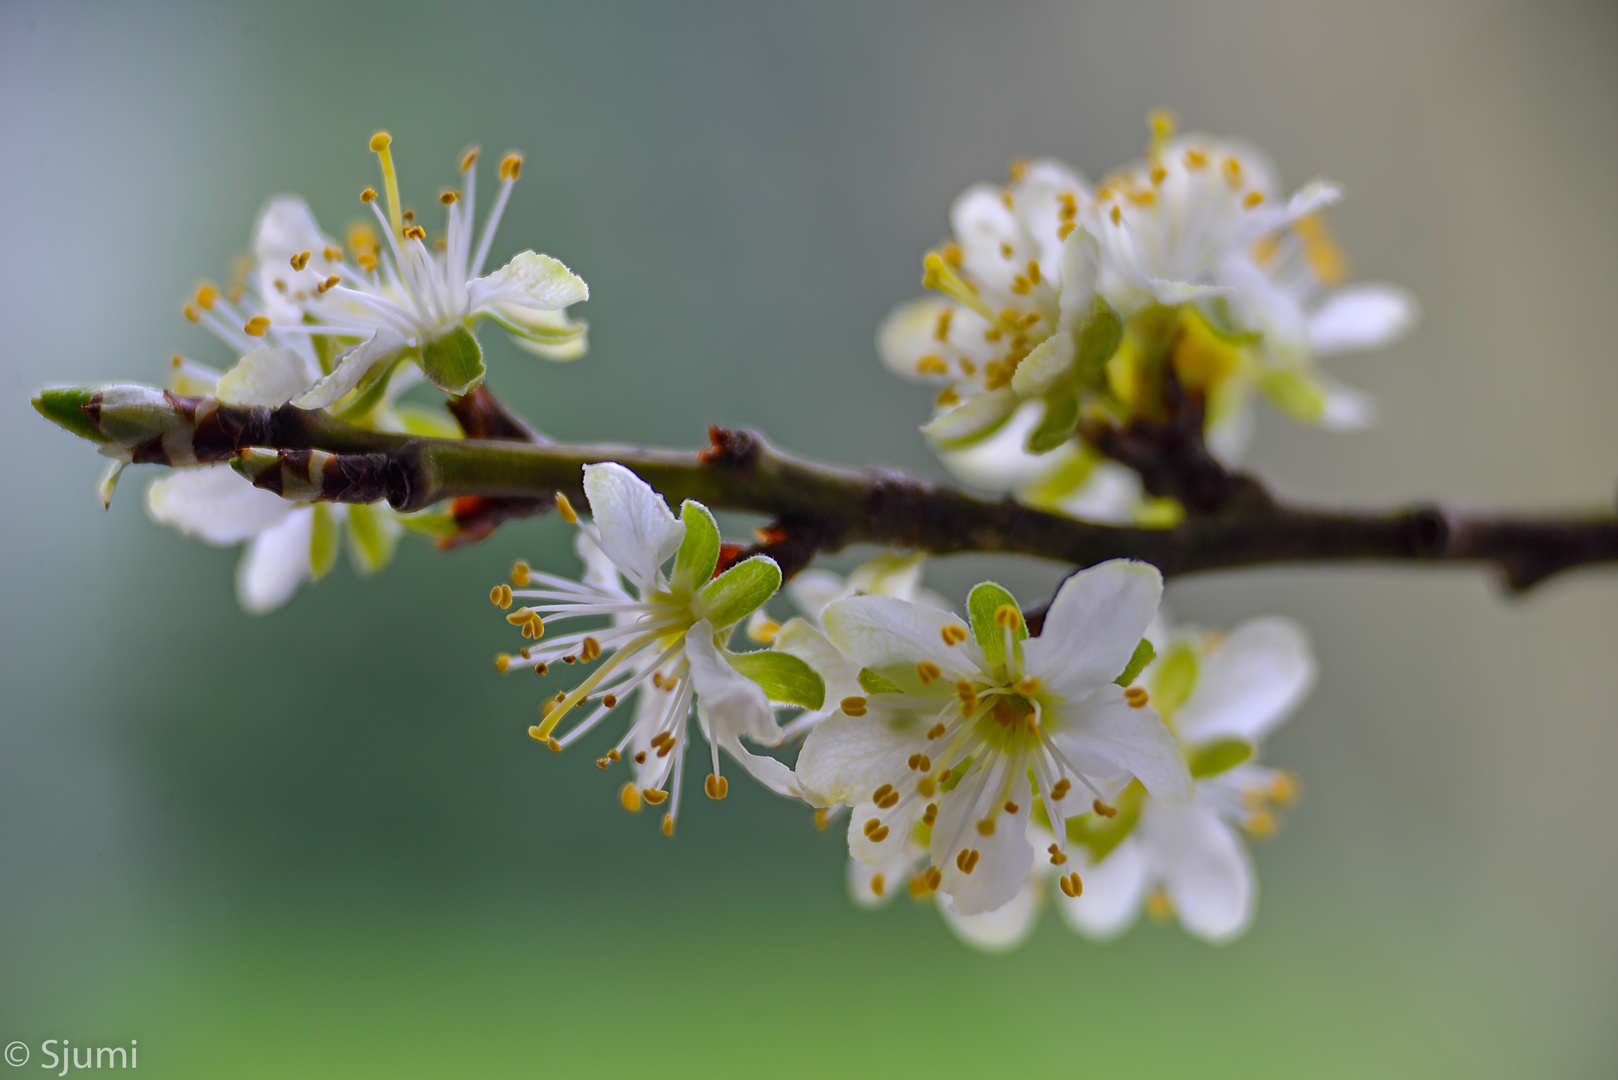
<point>320,843</point>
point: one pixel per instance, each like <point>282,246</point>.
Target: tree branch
<point>820,508</point>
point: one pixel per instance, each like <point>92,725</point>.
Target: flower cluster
<point>348,328</point>
<point>1057,302</point>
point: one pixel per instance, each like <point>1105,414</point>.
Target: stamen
<point>1029,687</point>
<point>469,159</point>
<point>933,877</point>
<point>1011,807</point>
<point>716,786</point>
<point>1071,885</point>
<point>668,825</point>
<point>1252,199</point>
<point>986,827</point>
<point>653,795</point>
<point>329,284</point>
<point>1008,617</point>
<point>885,797</point>
<point>953,634</point>
<point>820,819</point>
<point>929,815</point>
<point>941,331</point>
<point>502,662</point>
<point>511,166</point>
<point>301,259</point>
<point>877,885</point>
<point>921,763</point>
<point>1103,809</point>
<point>938,729</point>
<point>969,704</point>
<point>207,296</point>
<point>1260,823</point>
<point>449,198</point>
<point>1058,857</point>
<point>1136,697</point>
<point>927,672</point>
<point>380,143</point>
<point>368,195</point>
<point>565,508</point>
<point>591,649</point>
<point>967,860</point>
<point>853,706</point>
<point>1032,271</point>
<point>872,826</point>
<point>1060,789</point>
<point>948,396</point>
<point>1158,906</point>
<point>520,571</point>
<point>629,797</point>
<point>931,365</point>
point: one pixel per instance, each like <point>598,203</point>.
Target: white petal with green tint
<point>975,418</point>
<point>846,758</point>
<point>529,280</point>
<point>1094,624</point>
<point>1249,683</point>
<point>265,376</point>
<point>214,504</point>
<point>636,528</point>
<point>883,632</point>
<point>1205,869</point>
<point>1112,741</point>
<point>352,366</point>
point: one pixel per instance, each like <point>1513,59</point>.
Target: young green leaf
<point>1219,756</point>
<point>373,539</point>
<point>785,679</point>
<point>699,552</point>
<point>453,360</point>
<point>1144,654</point>
<point>1061,418</point>
<point>984,604</point>
<point>733,595</point>
<point>322,542</point>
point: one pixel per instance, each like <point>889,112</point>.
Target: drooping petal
<point>1001,930</point>
<point>352,366</point>
<point>638,531</point>
<point>1249,683</point>
<point>1361,317</point>
<point>276,563</point>
<point>1094,625</point>
<point>1112,893</point>
<point>886,632</point>
<point>265,376</point>
<point>529,280</point>
<point>1205,869</point>
<point>730,704</point>
<point>215,504</point>
<point>1004,856</point>
<point>1111,741</point>
<point>846,758</point>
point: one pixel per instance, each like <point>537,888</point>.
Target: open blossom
<point>1222,695</point>
<point>954,722</point>
<point>401,298</point>
<point>665,638</point>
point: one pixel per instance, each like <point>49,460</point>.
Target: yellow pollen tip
<point>933,877</point>
<point>1007,616</point>
<point>190,312</point>
<point>553,745</point>
<point>1136,697</point>
<point>519,573</point>
<point>1260,823</point>
<point>853,706</point>
<point>368,195</point>
<point>469,158</point>
<point>986,827</point>
<point>1103,809</point>
<point>415,232</point>
<point>937,729</point>
<point>591,649</point>
<point>502,663</point>
<point>668,819</point>
<point>330,283</point>
<point>820,820</point>
<point>1284,788</point>
<point>932,365</point>
<point>449,198</point>
<point>877,884</point>
<point>380,142</point>
<point>565,508</point>
<point>1060,789</point>
<point>500,597</point>
<point>953,634</point>
<point>653,795</point>
<point>967,860</point>
<point>207,296</point>
<point>511,166</point>
<point>928,672</point>
<point>1072,886</point>
<point>610,700</point>
<point>716,786</point>
<point>629,797</point>
<point>257,326</point>
<point>1158,906</point>
<point>1029,687</point>
<point>301,259</point>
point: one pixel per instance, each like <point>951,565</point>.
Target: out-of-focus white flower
<point>666,638</point>
<point>953,723</point>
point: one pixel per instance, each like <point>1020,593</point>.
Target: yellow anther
<point>257,326</point>
<point>853,706</point>
<point>1030,319</point>
<point>968,367</point>
<point>301,259</point>
<point>640,757</point>
<point>1060,789</point>
<point>877,884</point>
<point>330,283</point>
<point>553,745</point>
<point>885,797</point>
<point>1067,227</point>
<point>1103,809</point>
<point>1010,807</point>
<point>511,166</point>
<point>629,797</point>
<point>820,819</point>
<point>928,672</point>
<point>565,508</point>
<point>986,827</point>
<point>1117,214</point>
<point>953,634</point>
<point>1195,160</point>
<point>993,333</point>
<point>1325,258</point>
<point>967,860</point>
<point>469,158</point>
<point>937,729</point>
<point>536,734</point>
<point>1260,823</point>
<point>190,312</point>
<point>1071,885</point>
<point>380,141</point>
<point>653,795</point>
<point>872,826</point>
<point>1158,906</point>
<point>926,786</point>
<point>1159,174</point>
<point>716,786</point>
<point>1058,857</point>
<point>933,877</point>
<point>520,571</point>
<point>945,317</point>
<point>367,262</point>
<point>932,365</point>
<point>947,397</point>
<point>207,296</point>
<point>602,763</point>
<point>1284,788</point>
<point>1018,169</point>
<point>921,763</point>
<point>610,700</point>
<point>668,825</point>
<point>1008,616</point>
<point>1252,199</point>
<point>1137,697</point>
<point>765,632</point>
<point>590,650</point>
<point>1005,197</point>
<point>332,253</point>
<point>541,668</point>
<point>415,232</point>
<point>368,195</point>
<point>1162,122</point>
<point>1021,285</point>
<point>1232,170</point>
<point>449,198</point>
<point>917,885</point>
<point>952,254</point>
<point>1005,250</point>
<point>929,815</point>
<point>502,663</point>
<point>1029,687</point>
<point>521,615</point>
<point>1032,270</point>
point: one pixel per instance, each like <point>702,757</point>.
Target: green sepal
<point>981,603</point>
<point>372,540</point>
<point>436,525</point>
<point>874,682</point>
<point>1060,420</point>
<point>956,774</point>
<point>1099,339</point>
<point>1293,392</point>
<point>322,542</point>
<point>1221,755</point>
<point>785,679</point>
<point>735,594</point>
<point>373,392</point>
<point>1174,678</point>
<point>453,360</point>
<point>699,552</point>
<point>1101,834</point>
<point>1144,654</point>
<point>64,405</point>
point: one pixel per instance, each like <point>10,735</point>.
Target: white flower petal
<point>1001,930</point>
<point>1361,317</point>
<point>1249,683</point>
<point>730,704</point>
<point>884,631</point>
<point>908,333</point>
<point>1113,892</point>
<point>352,366</point>
<point>215,504</point>
<point>895,843</point>
<point>1344,408</point>
<point>813,589</point>
<point>276,563</point>
<point>1045,366</point>
<point>976,416</point>
<point>599,571</point>
<point>1111,740</point>
<point>798,638</point>
<point>895,875</point>
<point>1004,856</point>
<point>529,280</point>
<point>638,531</point>
<point>265,376</point>
<point>1094,625</point>
<point>1205,869</point>
<point>847,758</point>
